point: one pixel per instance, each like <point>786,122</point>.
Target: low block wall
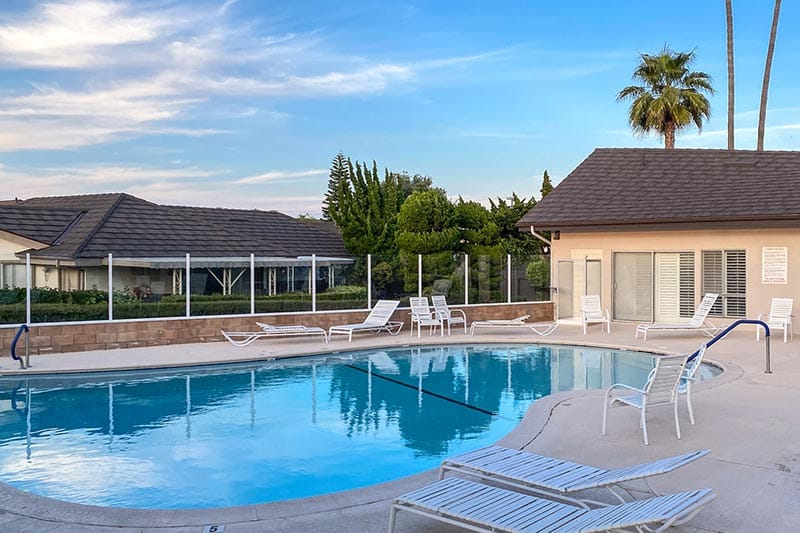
<point>131,334</point>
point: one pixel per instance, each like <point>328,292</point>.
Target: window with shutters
<point>724,273</point>
<point>686,298</point>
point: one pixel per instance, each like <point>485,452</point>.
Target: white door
<point>667,287</point>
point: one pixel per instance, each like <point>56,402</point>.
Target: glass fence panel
<point>530,279</point>
<point>147,292</point>
<point>67,295</point>
<point>394,277</point>
<point>488,278</point>
<point>342,286</point>
<point>443,275</point>
<point>282,288</point>
<point>12,294</point>
<point>220,287</point>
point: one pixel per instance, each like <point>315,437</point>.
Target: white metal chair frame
<point>444,312</point>
<point>484,508</point>
<point>540,328</point>
<point>378,320</point>
<point>592,312</point>
<point>780,317</point>
<point>689,377</point>
<point>699,321</point>
<point>559,479</point>
<point>661,389</point>
<point>421,315</point>
<point>244,338</point>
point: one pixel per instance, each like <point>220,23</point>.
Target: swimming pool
<point>244,434</point>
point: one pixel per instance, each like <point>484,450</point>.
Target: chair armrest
<point>623,386</point>
<point>463,314</point>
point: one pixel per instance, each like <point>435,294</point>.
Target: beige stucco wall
<point>575,246</point>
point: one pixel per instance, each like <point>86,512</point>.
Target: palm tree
<point>762,112</point>
<point>729,28</point>
<point>670,97</point>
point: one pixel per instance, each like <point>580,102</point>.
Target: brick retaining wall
<point>132,334</point>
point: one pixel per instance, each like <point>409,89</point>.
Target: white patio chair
<point>592,312</point>
<point>378,320</point>
<point>448,315</point>
<point>479,507</point>
<point>421,315</point>
<point>661,389</point>
<point>699,321</point>
<point>540,328</point>
<point>244,338</point>
<point>560,479</point>
<point>780,317</point>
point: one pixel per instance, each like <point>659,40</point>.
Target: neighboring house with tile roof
<point>653,230</point>
<point>69,239</point>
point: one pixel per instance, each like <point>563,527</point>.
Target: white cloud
<point>279,176</point>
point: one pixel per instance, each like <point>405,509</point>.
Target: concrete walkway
<point>748,419</point>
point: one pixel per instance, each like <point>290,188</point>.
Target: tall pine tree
<point>547,185</point>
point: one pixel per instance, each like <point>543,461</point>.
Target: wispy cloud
<point>280,176</point>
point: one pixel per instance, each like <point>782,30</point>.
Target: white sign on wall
<point>775,265</point>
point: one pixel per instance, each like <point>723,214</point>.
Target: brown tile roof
<point>40,224</point>
<point>128,226</point>
<point>655,186</point>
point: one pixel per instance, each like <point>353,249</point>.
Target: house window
<point>724,274</point>
<point>653,286</point>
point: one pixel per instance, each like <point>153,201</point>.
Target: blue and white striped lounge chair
<point>378,320</point>
<point>243,338</point>
<point>480,507</point>
<point>557,478</point>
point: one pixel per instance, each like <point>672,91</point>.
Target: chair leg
<point>392,515</point>
<point>605,413</point>
<point>689,402</point>
<point>644,426</point>
<point>677,422</point>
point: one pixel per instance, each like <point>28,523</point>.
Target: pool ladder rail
<point>719,336</point>
<point>27,362</point>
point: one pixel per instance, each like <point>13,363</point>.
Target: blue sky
<point>244,103</point>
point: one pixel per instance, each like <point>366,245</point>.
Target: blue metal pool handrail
<point>22,329</point>
<point>719,336</point>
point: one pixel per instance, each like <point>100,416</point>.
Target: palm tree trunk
<point>669,135</point>
<point>729,27</point>
<point>762,113</point>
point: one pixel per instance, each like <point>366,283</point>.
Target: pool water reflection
<point>244,434</point>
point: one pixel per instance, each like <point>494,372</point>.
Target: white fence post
<point>419,275</point>
<point>28,289</point>
<point>110,287</point>
<point>466,279</point>
<point>508,260</point>
<point>188,283</point>
<point>313,283</point>
<point>369,281</point>
<point>252,284</point>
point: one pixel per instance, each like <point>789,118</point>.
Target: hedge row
<point>41,313</point>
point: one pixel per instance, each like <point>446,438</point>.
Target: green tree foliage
<point>475,225</point>
<point>547,185</point>
<point>505,215</point>
<point>670,96</point>
<point>538,273</point>
<point>363,206</point>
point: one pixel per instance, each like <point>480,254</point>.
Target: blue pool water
<point>244,434</point>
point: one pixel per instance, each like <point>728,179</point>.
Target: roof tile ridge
<point>109,211</point>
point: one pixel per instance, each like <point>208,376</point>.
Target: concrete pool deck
<point>749,420</point>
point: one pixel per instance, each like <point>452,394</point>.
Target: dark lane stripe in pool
<point>426,391</point>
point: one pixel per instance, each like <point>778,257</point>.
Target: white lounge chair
<point>780,317</point>
<point>699,321</point>
<point>378,320</point>
<point>592,312</point>
<point>243,338</point>
<point>556,478</point>
<point>483,508</point>
<point>421,315</point>
<point>540,328</point>
<point>448,315</point>
<point>661,389</point>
